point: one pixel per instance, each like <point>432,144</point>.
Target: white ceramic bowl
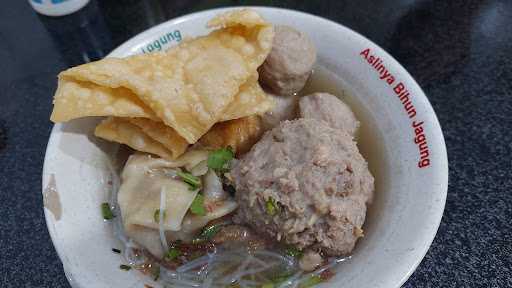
<point>401,223</point>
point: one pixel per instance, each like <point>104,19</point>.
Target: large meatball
<point>329,108</point>
<point>290,62</point>
<point>306,184</point>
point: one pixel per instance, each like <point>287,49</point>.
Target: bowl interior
<point>409,199</point>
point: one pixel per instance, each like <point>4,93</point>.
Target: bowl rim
<point>129,44</point>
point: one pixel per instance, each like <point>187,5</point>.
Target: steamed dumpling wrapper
<point>144,178</point>
<point>216,203</point>
<point>192,224</point>
<point>188,87</point>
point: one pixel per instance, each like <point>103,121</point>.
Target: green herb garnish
<point>210,231</point>
<point>207,233</point>
<point>271,206</point>
<point>277,280</point>
<point>198,240</point>
<point>155,272</point>
<point>197,206</point>
<point>193,181</point>
<point>293,252</point>
<point>172,254</point>
<point>156,215</point>
<point>311,281</point>
<point>125,267</point>
<point>106,211</point>
<point>116,250</point>
<point>219,159</point>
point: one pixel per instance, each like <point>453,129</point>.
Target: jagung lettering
<point>402,93</point>
<point>159,43</point>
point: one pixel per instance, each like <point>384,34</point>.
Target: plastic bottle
<point>57,7</point>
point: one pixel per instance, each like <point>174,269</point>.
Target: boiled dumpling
<point>147,180</point>
<point>144,179</point>
<point>192,224</point>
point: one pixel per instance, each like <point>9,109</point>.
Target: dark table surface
<point>460,52</point>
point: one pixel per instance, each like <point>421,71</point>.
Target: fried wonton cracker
<point>251,100</point>
<point>188,87</point>
<point>163,134</point>
<point>154,137</point>
<point>76,99</point>
<point>120,130</point>
<point>239,134</point>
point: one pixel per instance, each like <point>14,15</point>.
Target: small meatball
<point>329,108</point>
<point>310,261</point>
<point>306,184</point>
<point>290,62</point>
<point>286,108</point>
